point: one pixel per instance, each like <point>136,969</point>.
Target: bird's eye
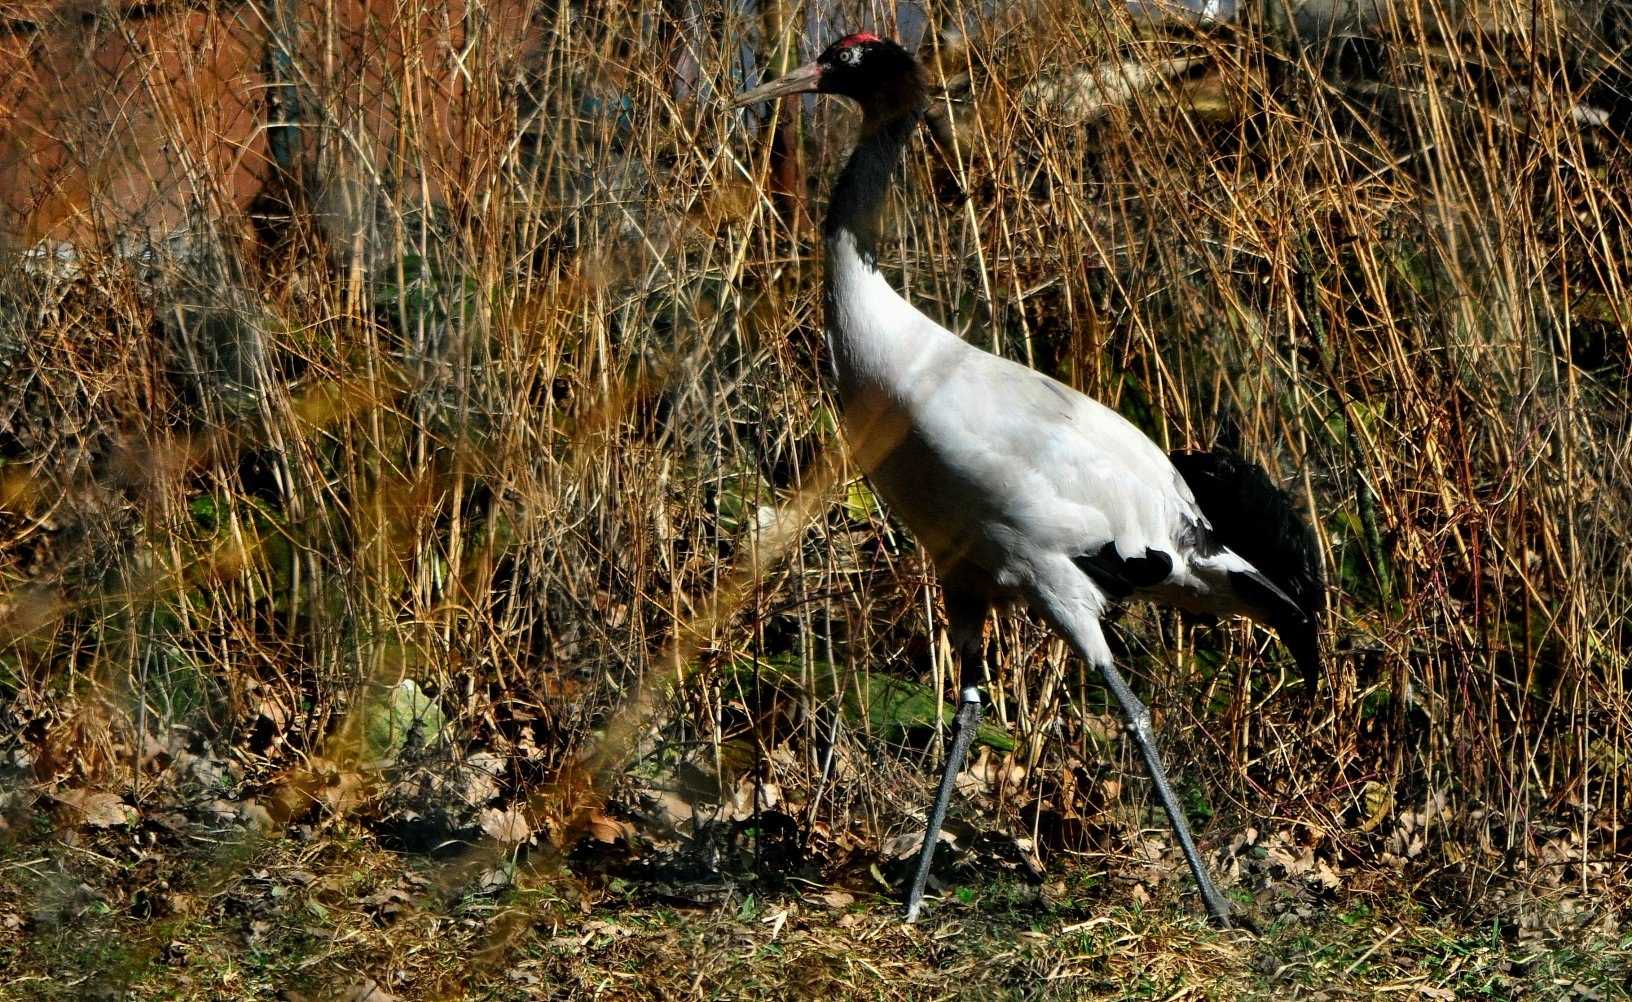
<point>850,56</point>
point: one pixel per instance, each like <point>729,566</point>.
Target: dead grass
<point>501,374</point>
<point>323,917</point>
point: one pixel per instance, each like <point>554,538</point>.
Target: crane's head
<point>874,72</point>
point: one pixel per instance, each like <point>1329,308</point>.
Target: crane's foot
<point>968,721</point>
<point>1222,913</point>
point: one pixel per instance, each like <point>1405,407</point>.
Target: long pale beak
<point>800,81</point>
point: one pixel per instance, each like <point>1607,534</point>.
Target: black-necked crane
<point>1018,486</point>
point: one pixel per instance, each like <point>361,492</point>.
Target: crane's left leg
<point>1085,635</point>
<point>1139,723</point>
<point>965,627</point>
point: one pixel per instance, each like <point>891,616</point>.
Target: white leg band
<point>971,694</point>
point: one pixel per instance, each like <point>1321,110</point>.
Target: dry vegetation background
<point>412,430</point>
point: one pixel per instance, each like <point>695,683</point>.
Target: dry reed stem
<point>525,324</point>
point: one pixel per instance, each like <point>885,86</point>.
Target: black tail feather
<point>1302,639</point>
<point>1261,522</point>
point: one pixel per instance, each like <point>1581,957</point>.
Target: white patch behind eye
<point>851,56</point>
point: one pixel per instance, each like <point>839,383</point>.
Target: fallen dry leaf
<point>742,804</point>
<point>99,809</point>
<point>364,991</point>
<point>1325,876</point>
<point>509,826</point>
<point>673,809</point>
<point>477,778</point>
<point>344,792</point>
<point>1378,801</point>
<point>258,816</point>
<point>497,878</point>
<point>1294,860</point>
<point>591,823</point>
<point>907,843</point>
<point>995,771</point>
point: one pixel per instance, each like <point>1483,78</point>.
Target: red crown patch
<point>858,38</point>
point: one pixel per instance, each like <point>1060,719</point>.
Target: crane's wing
<point>1002,466</point>
<point>1068,471</point>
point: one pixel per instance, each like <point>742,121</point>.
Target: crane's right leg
<point>965,627</point>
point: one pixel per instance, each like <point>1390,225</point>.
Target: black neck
<point>857,204</point>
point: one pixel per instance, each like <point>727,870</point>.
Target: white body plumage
<point>1003,474</point>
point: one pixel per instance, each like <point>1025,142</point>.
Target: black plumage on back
<point>1261,522</point>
